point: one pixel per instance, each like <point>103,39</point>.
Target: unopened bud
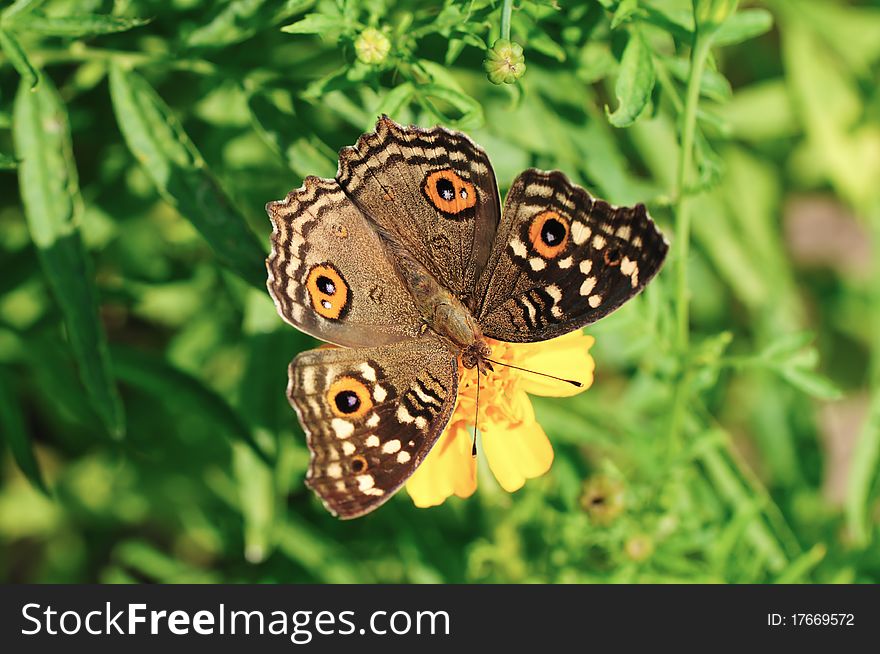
<point>504,63</point>
<point>372,46</point>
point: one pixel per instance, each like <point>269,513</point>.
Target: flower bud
<point>603,499</point>
<point>372,46</point>
<point>504,63</point>
<point>639,547</point>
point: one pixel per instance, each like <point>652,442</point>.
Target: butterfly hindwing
<point>433,191</point>
<point>563,259</point>
<point>371,415</point>
<point>321,278</point>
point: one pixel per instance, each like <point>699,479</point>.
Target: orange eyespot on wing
<point>549,233</point>
<point>349,398</point>
<point>328,291</point>
<point>448,192</point>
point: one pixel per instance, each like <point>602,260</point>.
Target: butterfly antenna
<point>476,417</point>
<point>534,372</point>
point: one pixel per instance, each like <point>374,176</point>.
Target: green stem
<point>865,465</point>
<point>699,55</point>
<point>506,10</point>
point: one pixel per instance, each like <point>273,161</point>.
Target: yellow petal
<point>516,451</point>
<point>567,357</point>
<point>449,469</point>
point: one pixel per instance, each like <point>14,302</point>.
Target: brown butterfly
<point>407,260</point>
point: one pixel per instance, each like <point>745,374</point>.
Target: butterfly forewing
<point>432,190</point>
<point>321,278</point>
<point>563,259</point>
<point>371,415</point>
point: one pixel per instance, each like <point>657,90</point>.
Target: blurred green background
<point>733,430</point>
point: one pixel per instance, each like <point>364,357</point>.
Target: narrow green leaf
<point>168,384</point>
<point>8,162</point>
<point>239,20</point>
<point>713,84</point>
<point>679,22</point>
<point>471,110</point>
<point>20,7</point>
<point>863,475</point>
<point>19,59</point>
<point>148,561</point>
<point>798,571</point>
<point>396,99</point>
<point>256,488</point>
<point>453,50</point>
<point>811,383</point>
<point>158,142</point>
<point>50,192</point>
<point>624,12</point>
<point>76,25</point>
<point>12,428</point>
<point>742,26</point>
<point>313,24</point>
<point>274,118</point>
<point>787,345</point>
<point>311,548</point>
<point>712,14</point>
<point>635,81</point>
<point>540,41</point>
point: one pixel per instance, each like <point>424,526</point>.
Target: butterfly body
<point>406,261</point>
<point>440,309</point>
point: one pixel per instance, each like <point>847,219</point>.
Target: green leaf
<point>849,29</point>
<point>76,25</point>
<point>595,62</point>
<point>625,10</point>
<point>712,14</point>
<point>798,571</point>
<point>8,162</point>
<point>256,487</point>
<point>811,383</point>
<point>396,100</point>
<point>863,475</point>
<point>158,142</point>
<point>313,24</point>
<point>239,20</point>
<point>713,84</point>
<point>169,384</point>
<point>635,81</point>
<point>12,429</point>
<point>310,547</point>
<point>19,59</point>
<point>275,121</point>
<point>787,345</point>
<point>470,109</point>
<point>50,191</point>
<point>541,42</point>
<point>761,112</point>
<point>148,561</point>
<point>742,26</point>
<point>679,22</point>
<point>20,7</point>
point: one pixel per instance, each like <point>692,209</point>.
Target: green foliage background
<point>142,366</point>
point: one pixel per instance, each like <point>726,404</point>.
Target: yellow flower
<point>515,446</point>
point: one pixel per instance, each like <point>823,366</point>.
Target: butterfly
<point>408,262</point>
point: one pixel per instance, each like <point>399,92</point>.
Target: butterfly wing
<point>433,190</point>
<point>563,259</point>
<point>328,274</point>
<point>371,415</point>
